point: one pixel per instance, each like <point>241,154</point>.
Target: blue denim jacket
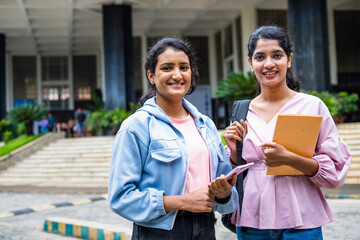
<point>150,160</point>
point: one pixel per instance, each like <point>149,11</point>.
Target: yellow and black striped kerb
<point>84,229</point>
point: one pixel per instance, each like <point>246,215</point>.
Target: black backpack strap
<point>239,112</point>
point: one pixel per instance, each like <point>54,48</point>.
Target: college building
<point>61,52</point>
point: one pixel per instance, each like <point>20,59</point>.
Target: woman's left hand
<point>275,154</point>
<point>221,187</point>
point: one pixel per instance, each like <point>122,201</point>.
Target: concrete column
<point>9,83</point>
<point>2,77</point>
<point>38,79</point>
<point>212,65</point>
<point>71,105</point>
<point>118,56</point>
<point>235,45</point>
<point>309,33</point>
<point>248,26</point>
<point>145,81</point>
<point>332,47</point>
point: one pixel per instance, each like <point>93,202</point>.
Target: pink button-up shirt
<point>278,202</point>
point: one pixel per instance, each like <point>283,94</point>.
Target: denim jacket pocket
<point>166,155</point>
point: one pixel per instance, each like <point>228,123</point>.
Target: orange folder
<point>298,134</point>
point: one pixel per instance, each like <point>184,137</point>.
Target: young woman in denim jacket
<point>168,160</point>
<point>284,207</point>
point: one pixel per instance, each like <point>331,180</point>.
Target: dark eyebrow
<point>167,64</point>
<point>276,51</point>
<point>172,64</point>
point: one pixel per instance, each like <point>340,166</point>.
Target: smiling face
<point>270,63</point>
<point>172,76</point>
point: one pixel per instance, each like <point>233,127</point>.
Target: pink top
<point>278,202</point>
<point>198,175</point>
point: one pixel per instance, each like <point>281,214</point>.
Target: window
<point>54,68</point>
<point>228,50</point>
<point>24,78</point>
<point>84,93</point>
<point>56,97</point>
<point>271,17</point>
<point>228,43</point>
<point>84,68</point>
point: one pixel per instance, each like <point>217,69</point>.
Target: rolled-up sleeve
<point>332,154</point>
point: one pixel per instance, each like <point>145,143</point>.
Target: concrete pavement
<point>29,226</point>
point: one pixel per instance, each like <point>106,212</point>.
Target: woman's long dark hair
<point>279,34</point>
<point>152,59</point>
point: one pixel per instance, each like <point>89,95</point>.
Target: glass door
<point>56,97</point>
<point>55,84</point>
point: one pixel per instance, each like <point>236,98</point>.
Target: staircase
<point>350,133</point>
<point>85,162</point>
<point>66,162</point>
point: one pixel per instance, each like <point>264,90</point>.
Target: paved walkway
<point>30,226</point>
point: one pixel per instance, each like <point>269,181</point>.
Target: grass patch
<point>223,140</point>
<point>16,143</point>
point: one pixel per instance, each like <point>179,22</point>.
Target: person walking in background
<point>51,122</point>
<point>80,122</point>
<point>43,125</point>
<point>167,156</point>
<point>283,207</point>
<point>71,125</point>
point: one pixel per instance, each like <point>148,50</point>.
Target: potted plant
<point>27,115</point>
<point>97,122</point>
<point>101,122</point>
<point>339,104</point>
<point>118,115</point>
<point>237,86</point>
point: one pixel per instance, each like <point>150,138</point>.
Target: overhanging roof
<point>75,26</point>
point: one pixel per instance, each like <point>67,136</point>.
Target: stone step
<point>72,151</point>
<point>355,152</point>
<point>349,130</point>
<point>70,169</point>
<point>69,179</point>
<point>88,139</point>
<point>354,173</point>
<point>70,155</point>
<point>354,165</point>
<point>352,180</point>
<point>77,147</point>
<point>68,160</point>
<point>354,161</point>
<point>109,143</point>
<point>353,144</point>
<point>63,174</point>
<point>58,165</point>
<point>348,125</point>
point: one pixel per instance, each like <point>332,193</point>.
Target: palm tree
<point>237,86</point>
<point>28,114</point>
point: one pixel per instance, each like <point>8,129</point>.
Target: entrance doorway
<point>56,97</point>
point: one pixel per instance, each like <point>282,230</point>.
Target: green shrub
<point>339,104</point>
<point>101,121</point>
<point>7,136</point>
<point>27,115</point>
<point>20,129</point>
<point>96,121</point>
<point>237,86</point>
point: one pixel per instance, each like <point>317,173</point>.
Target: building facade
<point>61,52</point>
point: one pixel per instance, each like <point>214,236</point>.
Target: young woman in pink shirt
<point>283,207</point>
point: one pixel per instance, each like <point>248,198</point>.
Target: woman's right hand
<point>235,132</point>
<point>197,201</point>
